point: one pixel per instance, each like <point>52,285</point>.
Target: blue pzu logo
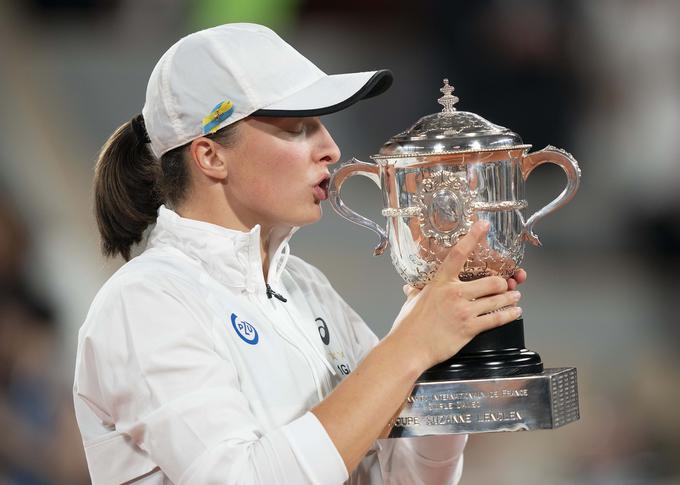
<point>246,331</point>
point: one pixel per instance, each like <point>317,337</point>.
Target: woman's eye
<point>297,129</point>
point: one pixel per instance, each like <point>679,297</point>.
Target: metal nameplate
<point>539,401</point>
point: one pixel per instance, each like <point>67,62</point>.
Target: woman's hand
<point>437,321</point>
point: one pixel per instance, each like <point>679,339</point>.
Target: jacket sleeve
<point>427,460</point>
<point>177,400</point>
<point>423,460</point>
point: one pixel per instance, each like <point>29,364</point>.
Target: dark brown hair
<point>130,184</point>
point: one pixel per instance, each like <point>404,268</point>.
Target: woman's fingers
<point>489,285</point>
<point>455,260</point>
<point>410,291</point>
<point>493,303</point>
<point>516,279</point>
<point>498,318</point>
<point>520,276</point>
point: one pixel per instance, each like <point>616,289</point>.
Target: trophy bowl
<point>437,178</point>
<point>440,176</point>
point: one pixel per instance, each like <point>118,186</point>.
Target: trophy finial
<point>448,100</point>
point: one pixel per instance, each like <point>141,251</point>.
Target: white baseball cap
<point>215,77</point>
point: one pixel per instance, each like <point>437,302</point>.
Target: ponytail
<point>130,184</point>
<point>126,188</point>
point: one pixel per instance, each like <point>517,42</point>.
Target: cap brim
<point>330,94</point>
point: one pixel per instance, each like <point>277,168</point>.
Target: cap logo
<point>219,113</point>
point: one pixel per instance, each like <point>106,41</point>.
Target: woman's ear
<point>208,156</point>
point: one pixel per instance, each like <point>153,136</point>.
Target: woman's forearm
<point>359,409</point>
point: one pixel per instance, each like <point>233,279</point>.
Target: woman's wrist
<point>412,361</point>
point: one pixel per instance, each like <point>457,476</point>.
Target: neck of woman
<point>225,217</point>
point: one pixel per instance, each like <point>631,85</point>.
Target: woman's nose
<point>330,153</point>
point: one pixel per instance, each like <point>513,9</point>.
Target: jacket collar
<point>232,257</point>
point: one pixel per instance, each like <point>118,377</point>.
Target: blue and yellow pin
<point>219,113</point>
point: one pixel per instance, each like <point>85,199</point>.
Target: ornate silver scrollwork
<point>503,205</point>
<point>445,202</point>
<point>401,212</point>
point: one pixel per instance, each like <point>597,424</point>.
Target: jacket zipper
<point>276,295</point>
<point>315,350</point>
<point>280,313</point>
<point>324,376</point>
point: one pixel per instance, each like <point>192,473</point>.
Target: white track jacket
<point>187,372</point>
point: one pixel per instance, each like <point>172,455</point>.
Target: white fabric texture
<point>187,372</point>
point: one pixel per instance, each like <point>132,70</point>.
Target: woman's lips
<point>321,190</point>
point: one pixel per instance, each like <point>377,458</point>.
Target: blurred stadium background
<point>598,78</point>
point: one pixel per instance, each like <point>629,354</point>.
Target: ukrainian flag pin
<point>219,113</point>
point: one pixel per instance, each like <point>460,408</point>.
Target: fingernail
<point>515,295</point>
<point>518,311</point>
<point>483,224</point>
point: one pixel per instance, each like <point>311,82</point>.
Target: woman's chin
<point>310,217</point>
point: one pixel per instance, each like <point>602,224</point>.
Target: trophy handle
<point>342,173</point>
<point>550,154</point>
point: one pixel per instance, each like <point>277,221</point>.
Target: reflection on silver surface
<point>542,401</point>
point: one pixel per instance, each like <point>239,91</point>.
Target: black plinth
<point>498,352</point>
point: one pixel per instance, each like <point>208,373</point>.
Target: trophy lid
<point>449,131</point>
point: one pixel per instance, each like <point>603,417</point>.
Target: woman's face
<point>278,170</point>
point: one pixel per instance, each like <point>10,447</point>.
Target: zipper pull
<point>271,293</point>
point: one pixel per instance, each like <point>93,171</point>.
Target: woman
<point>215,356</point>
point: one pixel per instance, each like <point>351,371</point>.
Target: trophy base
<point>498,352</point>
<point>541,401</point>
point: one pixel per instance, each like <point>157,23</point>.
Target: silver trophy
<point>448,170</point>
